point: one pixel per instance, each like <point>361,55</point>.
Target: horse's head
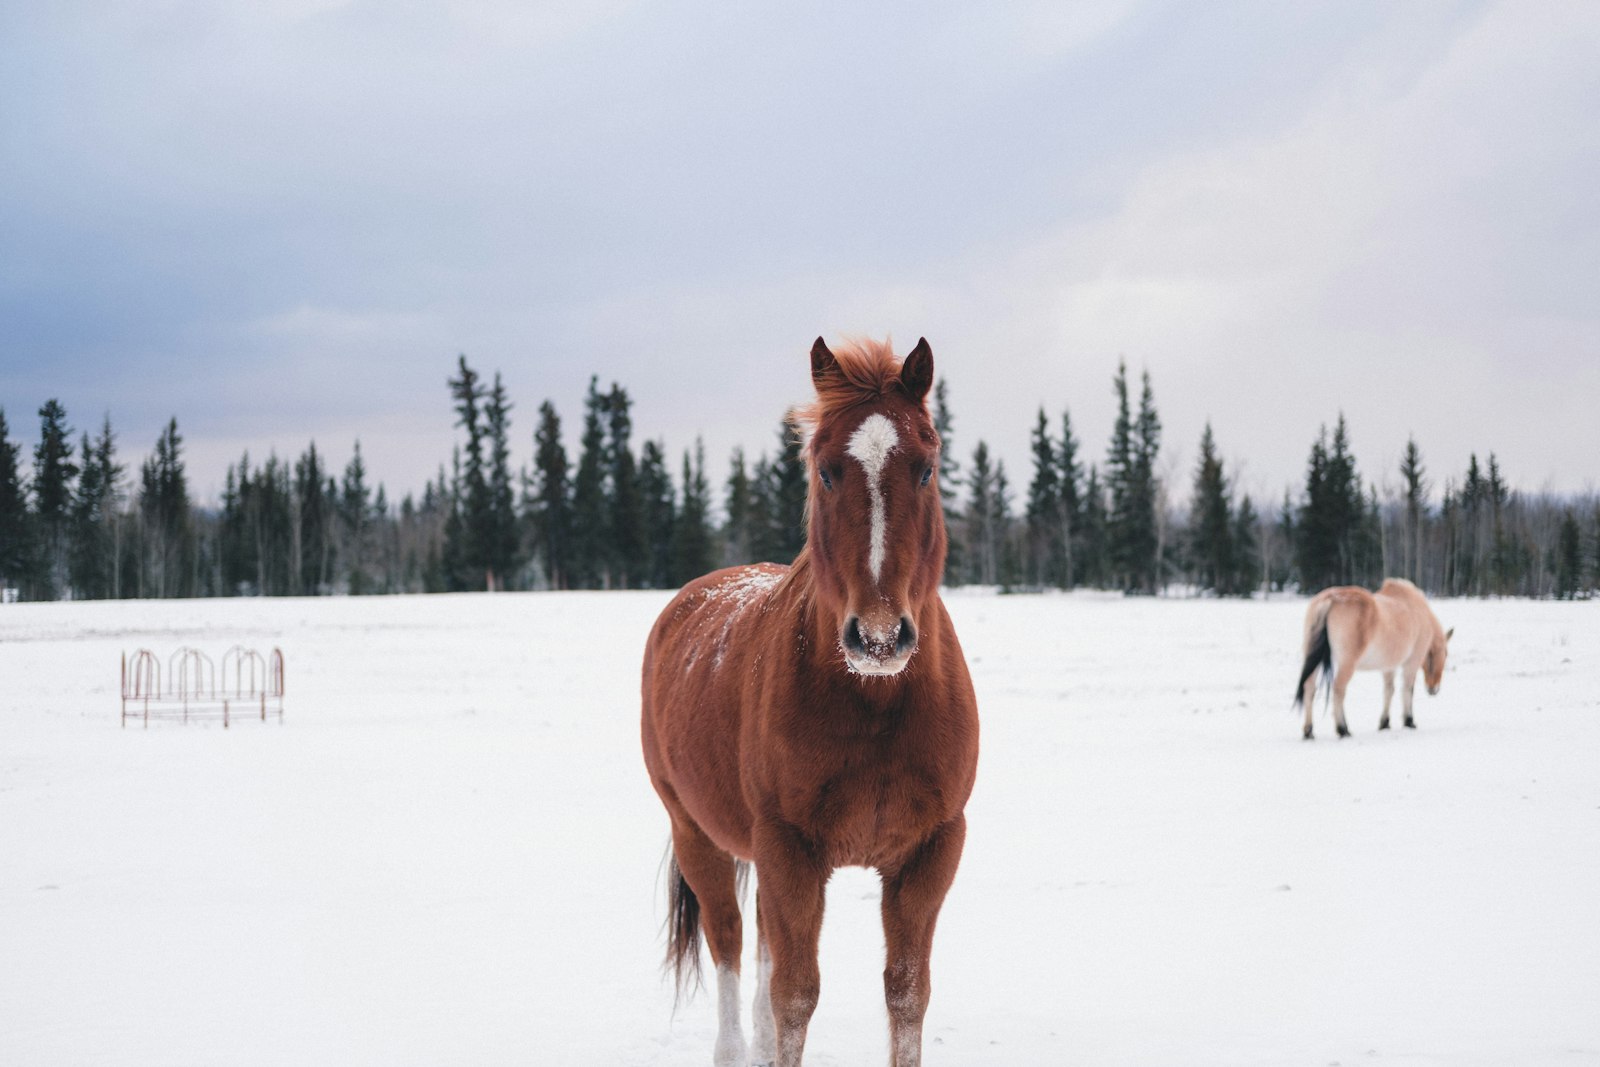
<point>1433,663</point>
<point>875,529</point>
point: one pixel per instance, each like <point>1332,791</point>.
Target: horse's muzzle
<point>878,651</point>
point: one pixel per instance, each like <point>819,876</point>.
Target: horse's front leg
<point>912,896</point>
<point>793,882</point>
<point>1407,692</point>
<point>1388,697</point>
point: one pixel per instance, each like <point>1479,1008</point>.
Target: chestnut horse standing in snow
<point>818,716</point>
<point>1349,629</point>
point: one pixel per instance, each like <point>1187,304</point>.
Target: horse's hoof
<point>1307,734</point>
<point>1344,731</point>
<point>1410,725</point>
<point>1384,725</point>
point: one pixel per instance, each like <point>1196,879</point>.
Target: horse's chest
<point>872,814</point>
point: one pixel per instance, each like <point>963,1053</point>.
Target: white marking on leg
<point>730,1050</point>
<point>871,444</point>
<point>764,1047</point>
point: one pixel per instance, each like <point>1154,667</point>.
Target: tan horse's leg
<point>793,883</point>
<point>1308,697</point>
<point>1408,691</point>
<point>712,875</point>
<point>1341,681</point>
<point>764,1039</point>
<point>912,896</point>
<point>1388,696</point>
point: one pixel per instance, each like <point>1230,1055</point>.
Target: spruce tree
<point>1414,475</point>
<point>1211,523</point>
<point>355,520</point>
<point>659,502</point>
<point>308,566</point>
<point>627,526</point>
<point>165,511</point>
<point>787,495</point>
<point>552,515</point>
<point>1070,476</point>
<point>982,534</point>
<point>15,534</point>
<point>1247,570</point>
<point>94,517</point>
<point>1008,550</point>
<point>693,549</point>
<point>1130,475</point>
<point>53,475</point>
<point>476,527</point>
<point>949,482</point>
<point>738,534</point>
<point>1043,513</point>
<point>1093,538</point>
<point>501,540</point>
<point>590,506</point>
<point>1569,557</point>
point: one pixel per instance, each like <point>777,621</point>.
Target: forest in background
<point>622,516</point>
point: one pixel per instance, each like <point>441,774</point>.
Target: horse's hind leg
<point>1308,697</point>
<point>1341,682</point>
<point>1409,690</point>
<point>1388,696</point>
<point>713,876</point>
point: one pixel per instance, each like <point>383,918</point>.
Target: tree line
<point>621,516</point>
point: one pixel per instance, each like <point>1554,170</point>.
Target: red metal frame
<point>192,691</point>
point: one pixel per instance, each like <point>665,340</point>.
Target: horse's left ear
<point>916,373</point>
<point>1448,634</point>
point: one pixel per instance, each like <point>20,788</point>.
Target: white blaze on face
<point>871,444</point>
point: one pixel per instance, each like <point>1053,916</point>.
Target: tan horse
<point>1349,629</point>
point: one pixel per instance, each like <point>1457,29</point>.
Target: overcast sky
<point>281,220</point>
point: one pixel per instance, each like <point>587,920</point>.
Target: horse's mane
<point>867,370</point>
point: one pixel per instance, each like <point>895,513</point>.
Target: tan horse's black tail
<point>683,931</point>
<point>1319,654</point>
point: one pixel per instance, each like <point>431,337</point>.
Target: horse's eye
<point>927,476</point>
<point>827,479</point>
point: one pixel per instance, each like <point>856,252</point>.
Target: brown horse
<point>820,715</point>
<point>1349,629</point>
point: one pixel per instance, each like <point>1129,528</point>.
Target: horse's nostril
<point>908,636</point>
<point>852,637</point>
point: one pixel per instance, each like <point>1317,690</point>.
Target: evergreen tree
<point>552,514</point>
<point>53,474</point>
<point>627,526</point>
<point>1569,557</point>
<point>166,517</point>
<point>1247,569</point>
<point>949,481</point>
<point>1130,475</point>
<point>590,529</point>
<point>355,519</point>
<point>93,562</point>
<point>16,557</point>
<point>1044,521</point>
<point>1212,528</point>
<point>659,503</point>
<point>1093,540</point>
<point>786,496</point>
<point>693,550</point>
<point>1335,539</point>
<point>1070,475</point>
<point>1414,475</point>
<point>1009,551</point>
<point>982,532</point>
<point>475,526</point>
<point>739,535</point>
<point>308,567</point>
<point>501,541</point>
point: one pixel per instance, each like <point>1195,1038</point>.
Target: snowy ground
<point>448,852</point>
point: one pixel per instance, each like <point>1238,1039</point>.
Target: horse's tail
<point>683,930</point>
<point>1319,653</point>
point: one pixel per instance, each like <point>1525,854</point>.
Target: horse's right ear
<point>916,373</point>
<point>823,362</point>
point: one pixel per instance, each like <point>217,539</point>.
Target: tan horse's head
<point>1433,663</point>
<point>875,526</point>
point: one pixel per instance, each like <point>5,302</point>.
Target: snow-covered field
<point>448,852</point>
